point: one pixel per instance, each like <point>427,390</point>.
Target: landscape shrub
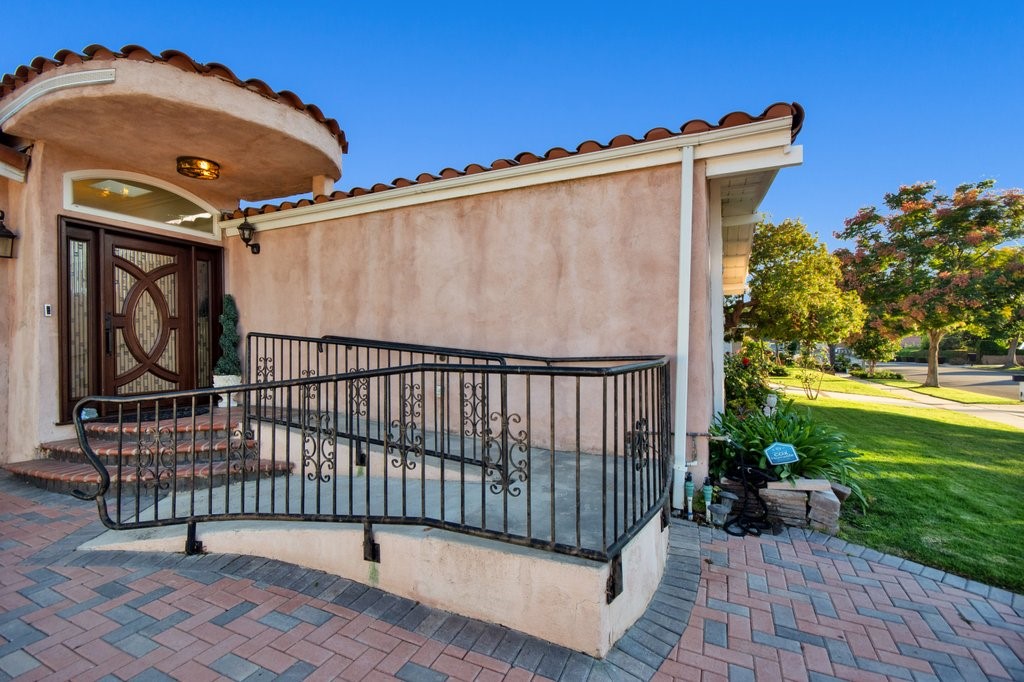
<point>879,374</point>
<point>992,347</point>
<point>823,451</point>
<point>746,378</point>
<point>842,363</point>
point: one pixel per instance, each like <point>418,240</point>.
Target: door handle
<point>108,333</point>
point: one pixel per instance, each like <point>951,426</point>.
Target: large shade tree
<point>1003,289</point>
<point>923,265</point>
<point>794,289</point>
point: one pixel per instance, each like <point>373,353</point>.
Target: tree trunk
<point>1011,353</point>
<point>871,368</point>
<point>934,338</point>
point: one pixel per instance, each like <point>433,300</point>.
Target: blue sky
<point>894,92</point>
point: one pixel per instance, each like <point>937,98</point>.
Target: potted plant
<point>228,370</point>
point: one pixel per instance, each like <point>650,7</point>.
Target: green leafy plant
<point>842,363</point>
<point>228,362</point>
<point>746,378</point>
<point>812,366</point>
<point>823,451</point>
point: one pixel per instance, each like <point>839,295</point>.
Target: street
<point>988,382</point>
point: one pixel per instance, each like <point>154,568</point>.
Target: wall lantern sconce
<point>6,239</point>
<point>200,169</point>
<point>246,231</point>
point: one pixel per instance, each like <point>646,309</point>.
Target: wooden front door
<point>138,313</point>
<point>147,309</point>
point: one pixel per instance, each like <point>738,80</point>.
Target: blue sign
<point>781,453</point>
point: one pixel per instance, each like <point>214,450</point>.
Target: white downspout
<point>683,328</point>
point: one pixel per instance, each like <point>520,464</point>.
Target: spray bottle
<point>689,496</point>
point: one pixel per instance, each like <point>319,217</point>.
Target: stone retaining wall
<point>806,503</point>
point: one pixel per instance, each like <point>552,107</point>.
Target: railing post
<point>371,549</point>
<point>192,545</point>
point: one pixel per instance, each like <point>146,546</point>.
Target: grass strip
<point>955,394</point>
<point>946,491</point>
<point>835,384</point>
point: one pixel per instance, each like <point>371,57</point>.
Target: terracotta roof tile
<point>25,74</point>
<point>736,118</point>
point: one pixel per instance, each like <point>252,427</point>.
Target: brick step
<point>217,420</point>
<point>67,476</point>
<point>109,451</point>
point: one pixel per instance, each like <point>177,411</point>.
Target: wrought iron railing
<point>570,455</point>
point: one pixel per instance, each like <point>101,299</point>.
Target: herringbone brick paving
<point>793,607</point>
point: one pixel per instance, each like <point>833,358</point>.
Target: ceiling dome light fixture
<point>201,169</point>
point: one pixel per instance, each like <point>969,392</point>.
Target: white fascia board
<point>772,158</point>
<point>735,141</point>
<point>12,173</point>
<point>44,86</point>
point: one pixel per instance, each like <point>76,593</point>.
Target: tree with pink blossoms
<point>924,265</point>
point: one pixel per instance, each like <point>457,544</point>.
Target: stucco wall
<point>572,268</point>
<point>583,267</point>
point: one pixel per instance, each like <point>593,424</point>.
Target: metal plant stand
<point>752,516</point>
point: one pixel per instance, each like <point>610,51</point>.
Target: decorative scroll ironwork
<point>638,443</point>
<point>404,439</point>
<point>243,455</point>
<point>156,458</point>
<point>498,448</point>
<point>318,446</point>
<point>309,392</point>
<point>358,394</point>
<point>265,374</point>
<point>474,409</point>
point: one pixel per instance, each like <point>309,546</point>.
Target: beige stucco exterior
<point>583,267</point>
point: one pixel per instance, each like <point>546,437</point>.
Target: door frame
<point>94,233</point>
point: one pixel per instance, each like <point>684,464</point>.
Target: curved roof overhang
<point>123,110</point>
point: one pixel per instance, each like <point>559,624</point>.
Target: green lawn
<point>835,384</point>
<point>947,491</point>
<point>954,394</point>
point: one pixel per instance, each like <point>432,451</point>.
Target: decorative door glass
<point>79,298</point>
<point>145,321</point>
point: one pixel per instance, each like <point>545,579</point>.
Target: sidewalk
<point>799,606</point>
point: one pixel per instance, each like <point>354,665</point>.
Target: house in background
<point>128,236</point>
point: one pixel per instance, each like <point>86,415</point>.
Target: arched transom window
<point>138,201</point>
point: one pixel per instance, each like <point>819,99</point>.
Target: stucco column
<point>32,340</point>
<point>699,390</point>
<point>717,308</point>
<point>7,282</point>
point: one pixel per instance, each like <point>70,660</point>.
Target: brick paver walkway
<point>805,606</point>
<point>793,607</point>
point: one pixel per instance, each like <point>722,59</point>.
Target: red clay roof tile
<point>736,118</point>
<point>9,83</point>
